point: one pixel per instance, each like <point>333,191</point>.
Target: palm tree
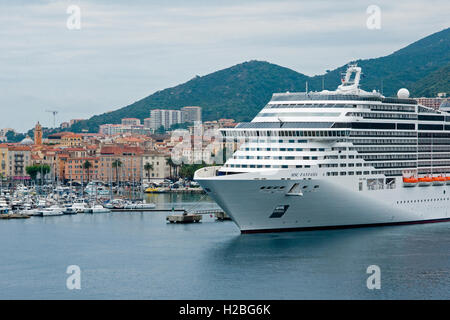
<point>171,165</point>
<point>86,166</point>
<point>116,164</point>
<point>148,167</point>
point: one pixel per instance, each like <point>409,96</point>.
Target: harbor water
<point>140,256</point>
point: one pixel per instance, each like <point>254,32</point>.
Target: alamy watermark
<point>373,21</point>
<point>374,280</point>
<point>74,20</point>
<point>74,280</point>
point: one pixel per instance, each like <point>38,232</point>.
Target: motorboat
<point>51,211</point>
<point>98,208</point>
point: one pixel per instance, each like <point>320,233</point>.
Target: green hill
<point>240,91</point>
<point>432,84</point>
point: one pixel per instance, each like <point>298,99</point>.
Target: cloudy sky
<point>126,50</point>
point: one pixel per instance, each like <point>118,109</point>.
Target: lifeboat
<point>439,181</point>
<point>425,181</point>
<point>447,180</point>
<point>410,182</point>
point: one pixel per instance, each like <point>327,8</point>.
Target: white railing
<point>206,172</point>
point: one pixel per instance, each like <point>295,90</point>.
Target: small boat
<point>410,182</point>
<point>79,207</point>
<point>98,209</point>
<point>140,205</point>
<point>29,212</point>
<point>425,181</point>
<point>52,211</point>
<point>70,210</point>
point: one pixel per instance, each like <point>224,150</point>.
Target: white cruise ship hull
<point>323,203</point>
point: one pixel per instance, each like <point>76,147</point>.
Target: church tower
<point>38,134</point>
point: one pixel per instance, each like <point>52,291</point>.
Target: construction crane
<point>54,112</point>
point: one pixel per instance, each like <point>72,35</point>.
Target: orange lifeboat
<point>447,179</point>
<point>410,182</point>
<point>425,181</point>
<point>439,181</point>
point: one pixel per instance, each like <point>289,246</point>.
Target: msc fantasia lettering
<point>304,174</point>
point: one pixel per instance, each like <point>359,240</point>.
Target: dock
<point>184,218</point>
<point>221,216</point>
<point>13,216</point>
<point>148,210</point>
<point>218,213</point>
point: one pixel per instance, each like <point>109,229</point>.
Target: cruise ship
<point>335,159</point>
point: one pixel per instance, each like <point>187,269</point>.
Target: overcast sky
<point>130,49</point>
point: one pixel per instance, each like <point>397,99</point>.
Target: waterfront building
<point>158,160</point>
<point>130,159</point>
<point>19,157</point>
<point>75,170</point>
<point>4,160</point>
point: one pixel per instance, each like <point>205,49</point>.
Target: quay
<point>184,218</point>
<point>13,216</point>
<point>148,210</point>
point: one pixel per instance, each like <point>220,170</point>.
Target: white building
<point>158,160</point>
<point>191,113</point>
<point>165,118</point>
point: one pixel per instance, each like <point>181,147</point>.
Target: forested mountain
<point>240,91</point>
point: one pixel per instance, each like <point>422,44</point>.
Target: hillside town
<point>125,153</point>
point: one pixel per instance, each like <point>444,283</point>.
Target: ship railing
<point>207,172</point>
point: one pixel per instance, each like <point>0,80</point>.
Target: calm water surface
<point>140,256</point>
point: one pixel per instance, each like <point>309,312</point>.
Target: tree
<point>87,165</point>
<point>148,167</point>
<point>161,130</point>
<point>187,170</point>
<point>33,171</point>
<point>116,164</point>
<point>171,164</point>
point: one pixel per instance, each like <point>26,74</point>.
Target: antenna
<point>54,112</point>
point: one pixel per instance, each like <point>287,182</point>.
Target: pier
<point>148,210</point>
<point>13,216</point>
<point>184,218</point>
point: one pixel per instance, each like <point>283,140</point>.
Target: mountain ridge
<point>240,91</point>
